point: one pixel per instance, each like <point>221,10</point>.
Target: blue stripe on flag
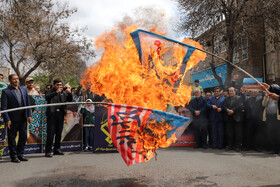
<point>136,39</point>
<point>174,120</point>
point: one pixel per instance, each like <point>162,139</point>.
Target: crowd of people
<point>233,119</point>
<point>236,119</point>
<point>14,96</point>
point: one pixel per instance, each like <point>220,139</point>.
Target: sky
<point>101,15</point>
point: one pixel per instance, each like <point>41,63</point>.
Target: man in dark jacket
<point>232,107</point>
<point>55,116</point>
<point>13,97</point>
<point>253,113</point>
<point>216,118</point>
<point>197,107</point>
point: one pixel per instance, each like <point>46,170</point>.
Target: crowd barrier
<point>72,134</point>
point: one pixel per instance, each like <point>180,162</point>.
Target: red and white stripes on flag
<point>123,124</point>
<point>137,132</point>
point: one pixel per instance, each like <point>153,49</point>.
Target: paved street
<point>174,167</point>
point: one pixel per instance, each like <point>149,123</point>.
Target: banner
<point>2,130</point>
<point>102,138</point>
<point>161,54</point>
<point>187,138</point>
<point>72,133</point>
<point>207,79</point>
<point>37,130</point>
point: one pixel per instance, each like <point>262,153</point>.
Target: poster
<point>102,138</point>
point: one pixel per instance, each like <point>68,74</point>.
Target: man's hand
<point>197,112</point>
<point>59,90</point>
<point>264,86</point>
<point>242,90</point>
<point>29,119</point>
<point>8,123</point>
<point>214,106</point>
<point>230,112</point>
<point>274,96</point>
<point>265,93</point>
<point>219,109</point>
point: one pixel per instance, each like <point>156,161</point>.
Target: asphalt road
<point>176,166</point>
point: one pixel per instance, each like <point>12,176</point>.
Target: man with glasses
<point>55,116</point>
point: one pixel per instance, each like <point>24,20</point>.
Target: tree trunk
<point>217,77</point>
<point>230,36</point>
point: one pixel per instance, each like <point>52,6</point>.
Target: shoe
<point>22,158</point>
<point>274,152</point>
<point>228,148</point>
<point>15,160</point>
<point>58,153</point>
<point>48,155</point>
<point>90,148</point>
<point>86,149</point>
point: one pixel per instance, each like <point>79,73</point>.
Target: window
<point>244,47</point>
<point>223,44</point>
<point>235,58</point>
<point>216,45</point>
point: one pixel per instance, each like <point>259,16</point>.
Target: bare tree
<point>238,17</point>
<point>36,35</point>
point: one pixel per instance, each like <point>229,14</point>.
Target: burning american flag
<point>137,132</point>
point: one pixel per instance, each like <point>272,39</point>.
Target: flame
<point>121,77</point>
<point>153,136</point>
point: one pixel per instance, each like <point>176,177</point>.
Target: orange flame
<point>121,77</point>
<point>153,136</point>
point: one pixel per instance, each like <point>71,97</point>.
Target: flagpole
<point>47,105</point>
<point>232,65</point>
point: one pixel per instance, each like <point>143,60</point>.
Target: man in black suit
<point>55,116</point>
<point>232,107</point>
<point>254,113</point>
<point>13,97</point>
<point>198,108</point>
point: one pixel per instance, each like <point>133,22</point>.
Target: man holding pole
<point>274,91</point>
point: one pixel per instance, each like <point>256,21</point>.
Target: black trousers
<point>21,127</point>
<point>233,133</point>
<point>250,131</point>
<point>200,132</point>
<point>55,122</point>
<point>273,130</point>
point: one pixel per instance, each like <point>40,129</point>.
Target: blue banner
<point>206,78</point>
<point>102,138</point>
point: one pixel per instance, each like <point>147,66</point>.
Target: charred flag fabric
<point>167,57</point>
<point>137,132</point>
